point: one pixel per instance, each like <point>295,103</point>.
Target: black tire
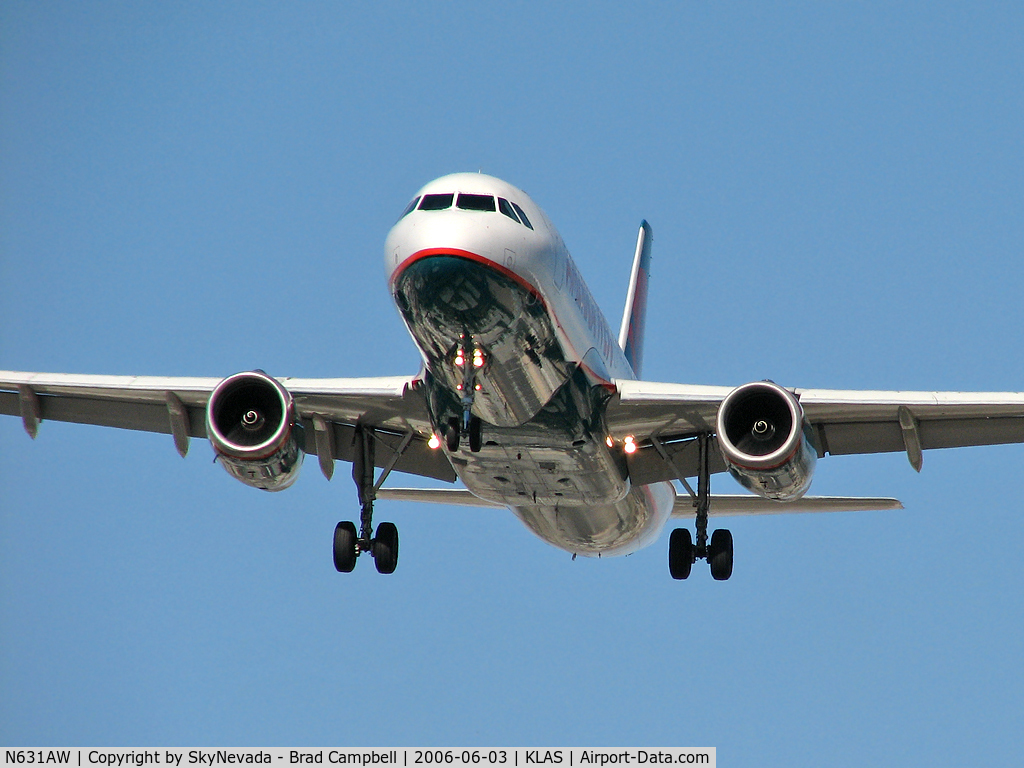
<point>680,553</point>
<point>720,555</point>
<point>476,440</point>
<point>345,552</point>
<point>452,435</point>
<point>385,548</point>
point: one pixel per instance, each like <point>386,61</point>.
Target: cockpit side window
<point>505,207</point>
<point>409,208</point>
<point>469,202</point>
<point>522,215</point>
<point>436,202</point>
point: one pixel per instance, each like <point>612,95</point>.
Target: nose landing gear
<point>469,426</point>
<point>682,552</point>
<point>456,431</point>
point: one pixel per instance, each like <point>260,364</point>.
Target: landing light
<point>434,442</point>
<point>629,445</point>
<point>608,441</point>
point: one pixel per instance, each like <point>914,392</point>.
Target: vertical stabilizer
<point>631,335</point>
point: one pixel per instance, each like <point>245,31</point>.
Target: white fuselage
<point>509,330</point>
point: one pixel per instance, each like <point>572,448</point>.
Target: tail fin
<point>631,335</point>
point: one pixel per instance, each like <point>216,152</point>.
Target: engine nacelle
<point>765,441</point>
<point>250,420</point>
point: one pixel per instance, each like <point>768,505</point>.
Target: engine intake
<point>765,441</point>
<point>250,420</point>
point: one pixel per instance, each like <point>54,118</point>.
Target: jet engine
<point>250,420</point>
<point>765,441</point>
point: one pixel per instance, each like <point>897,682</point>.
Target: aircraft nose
<point>449,290</point>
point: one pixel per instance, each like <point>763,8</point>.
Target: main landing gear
<point>682,552</point>
<point>348,544</point>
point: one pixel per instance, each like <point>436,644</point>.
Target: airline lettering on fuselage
<point>580,293</point>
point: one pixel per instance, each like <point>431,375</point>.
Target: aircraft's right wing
<point>393,406</point>
<point>664,419</point>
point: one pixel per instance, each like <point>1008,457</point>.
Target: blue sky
<point>197,189</point>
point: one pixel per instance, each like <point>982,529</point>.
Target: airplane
<point>527,397</point>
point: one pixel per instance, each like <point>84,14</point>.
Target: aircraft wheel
<point>475,434</point>
<point>452,435</point>
<point>385,548</point>
<point>345,553</point>
<point>680,553</point>
<point>720,555</point>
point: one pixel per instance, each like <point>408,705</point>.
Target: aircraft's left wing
<point>392,406</point>
<point>664,419</point>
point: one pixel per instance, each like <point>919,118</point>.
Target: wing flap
<point>845,438</point>
<point>648,465</point>
<point>643,408</point>
<point>142,415</point>
<point>417,458</point>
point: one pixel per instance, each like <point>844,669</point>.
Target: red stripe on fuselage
<point>470,256</point>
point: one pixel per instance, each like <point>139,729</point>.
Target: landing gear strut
<point>469,426</point>
<point>682,551</point>
<point>348,545</point>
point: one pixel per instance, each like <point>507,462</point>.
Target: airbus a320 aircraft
<point>528,398</point>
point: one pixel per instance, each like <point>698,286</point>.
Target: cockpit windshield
<point>506,207</point>
<point>436,202</point>
<point>470,202</point>
<point>522,215</point>
<point>409,208</point>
